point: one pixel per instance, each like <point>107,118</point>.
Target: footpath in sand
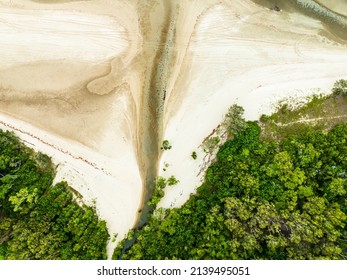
<point>98,85</point>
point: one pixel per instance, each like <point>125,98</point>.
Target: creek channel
<point>159,38</point>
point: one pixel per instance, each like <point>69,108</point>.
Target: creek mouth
<point>159,53</point>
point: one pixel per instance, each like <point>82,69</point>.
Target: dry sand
<point>74,76</point>
<point>63,90</point>
<point>246,54</point>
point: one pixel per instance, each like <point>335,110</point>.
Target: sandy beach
<point>246,54</point>
<point>61,92</point>
<point>98,86</point>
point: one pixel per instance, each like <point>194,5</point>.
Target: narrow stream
<point>151,130</point>
<point>151,112</point>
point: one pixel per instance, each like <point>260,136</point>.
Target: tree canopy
<point>38,220</point>
<point>261,199</point>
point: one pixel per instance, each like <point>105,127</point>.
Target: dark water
<point>335,23</point>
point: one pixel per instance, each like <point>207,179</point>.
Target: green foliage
<point>171,181</point>
<point>194,155</point>
<point>166,145</point>
<point>158,191</point>
<point>234,121</point>
<point>260,200</point>
<point>340,87</point>
<point>264,118</point>
<point>23,201</point>
<point>210,144</point>
<point>118,250</point>
<point>320,112</point>
<point>38,220</point>
<point>160,184</point>
<point>166,165</point>
<point>232,125</point>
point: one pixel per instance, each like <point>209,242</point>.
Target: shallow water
<point>322,11</point>
<point>338,6</point>
<point>334,20</point>
<point>151,110</point>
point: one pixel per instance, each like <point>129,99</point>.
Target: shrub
<point>340,87</point>
<point>166,145</point>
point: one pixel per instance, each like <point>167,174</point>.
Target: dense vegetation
<point>263,198</point>
<point>38,220</point>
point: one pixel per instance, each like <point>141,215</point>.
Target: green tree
<point>234,121</point>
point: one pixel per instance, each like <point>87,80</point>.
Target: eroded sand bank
<point>99,84</point>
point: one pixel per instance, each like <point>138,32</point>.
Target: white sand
<point>48,56</point>
<point>55,35</point>
<point>246,55</point>
<point>108,183</point>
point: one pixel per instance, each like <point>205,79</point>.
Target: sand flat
<point>31,35</point>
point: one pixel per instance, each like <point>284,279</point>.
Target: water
<point>338,6</point>
<point>335,23</point>
<point>152,106</point>
<point>323,12</point>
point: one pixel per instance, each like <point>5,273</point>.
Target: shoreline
<point>257,72</point>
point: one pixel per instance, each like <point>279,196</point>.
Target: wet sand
<point>338,6</point>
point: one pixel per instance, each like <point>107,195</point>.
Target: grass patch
<point>320,112</point>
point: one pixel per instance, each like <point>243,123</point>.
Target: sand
<point>74,77</point>
<point>62,93</point>
<point>241,53</point>
<point>338,6</point>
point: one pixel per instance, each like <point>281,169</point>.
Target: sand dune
<point>98,84</point>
